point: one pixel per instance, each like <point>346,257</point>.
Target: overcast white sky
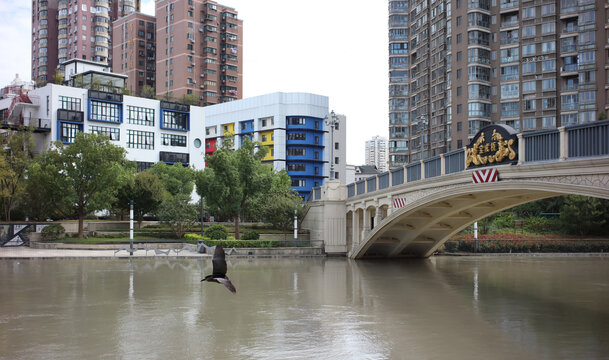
<point>336,48</point>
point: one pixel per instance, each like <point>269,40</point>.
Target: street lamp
<point>422,126</point>
<point>331,120</point>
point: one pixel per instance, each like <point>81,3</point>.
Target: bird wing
<point>226,282</point>
<point>219,262</point>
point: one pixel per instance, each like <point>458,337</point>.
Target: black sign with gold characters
<point>492,145</point>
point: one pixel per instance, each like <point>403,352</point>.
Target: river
<point>487,307</point>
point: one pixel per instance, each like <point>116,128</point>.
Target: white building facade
<point>291,125</point>
<point>150,130</point>
<point>376,153</point>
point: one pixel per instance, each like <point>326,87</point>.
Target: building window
<point>174,120</point>
<point>69,131</point>
<point>69,103</point>
<point>297,152</point>
<point>173,140</point>
<point>296,121</point>
<point>528,124</point>
<point>297,136</point>
<point>140,115</point>
<point>297,167</point>
<point>104,111</point>
<point>111,132</point>
<point>140,139</point>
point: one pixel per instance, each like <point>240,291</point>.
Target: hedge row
<point>529,246</point>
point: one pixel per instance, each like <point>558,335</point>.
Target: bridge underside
<point>419,230</point>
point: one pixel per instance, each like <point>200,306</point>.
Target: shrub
<point>250,235</point>
<point>192,236</point>
<point>52,232</point>
<point>216,232</point>
<point>450,246</point>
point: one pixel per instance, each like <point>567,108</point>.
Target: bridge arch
<point>432,217</point>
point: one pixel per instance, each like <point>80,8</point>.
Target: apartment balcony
<point>101,52</point>
<point>568,48</point>
<point>508,6</point>
<point>101,42</point>
<point>102,3</point>
<point>509,24</point>
<point>62,16</point>
<point>569,70</point>
<point>62,36</point>
<point>101,33</point>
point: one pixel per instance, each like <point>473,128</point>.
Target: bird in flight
<point>219,270</point>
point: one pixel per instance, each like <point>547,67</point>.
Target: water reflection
<point>475,308</point>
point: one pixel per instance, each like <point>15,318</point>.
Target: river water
<point>494,307</point>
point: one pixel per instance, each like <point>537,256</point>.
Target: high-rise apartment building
<point>376,153</point>
<point>459,65</point>
<point>134,51</point>
<point>199,51</point>
<point>67,29</point>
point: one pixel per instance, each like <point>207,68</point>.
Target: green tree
<point>232,178</point>
<point>148,92</point>
<point>58,78</point>
<point>146,190</point>
<point>45,195</point>
<point>179,214</point>
<point>585,215</point>
<point>15,157</point>
<point>168,96</point>
<point>189,99</point>
<point>281,202</point>
<point>178,179</point>
<point>93,169</point>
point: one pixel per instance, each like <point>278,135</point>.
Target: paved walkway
<point>23,252</point>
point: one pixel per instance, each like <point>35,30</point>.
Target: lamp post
<point>131,227</point>
<point>422,126</point>
<point>331,120</point>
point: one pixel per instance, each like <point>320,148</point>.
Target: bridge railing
<point>588,139</point>
<point>454,161</point>
<point>574,141</point>
<point>433,167</point>
<point>542,145</point>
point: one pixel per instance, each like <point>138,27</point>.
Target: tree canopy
<point>232,178</point>
<point>15,158</point>
<point>178,179</point>
<point>91,169</point>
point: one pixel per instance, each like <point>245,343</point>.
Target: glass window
<point>69,131</point>
<point>111,132</point>
<point>174,120</point>
<point>103,111</point>
<point>173,140</point>
<point>69,103</point>
<point>140,115</point>
<point>140,139</point>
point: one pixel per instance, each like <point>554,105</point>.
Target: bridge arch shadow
<point>423,225</point>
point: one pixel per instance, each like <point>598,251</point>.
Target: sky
<point>336,48</point>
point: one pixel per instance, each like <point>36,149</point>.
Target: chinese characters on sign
<point>500,147</point>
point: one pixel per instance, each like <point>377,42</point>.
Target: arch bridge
<point>412,210</point>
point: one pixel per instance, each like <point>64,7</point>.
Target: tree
<point>279,204</point>
<point>45,188</point>
<point>168,96</point>
<point>15,157</point>
<point>178,179</point>
<point>585,215</point>
<point>146,190</point>
<point>148,92</point>
<point>58,78</point>
<point>93,169</point>
<point>232,178</point>
<point>602,115</point>
<point>125,90</point>
<point>189,99</point>
<point>179,214</point>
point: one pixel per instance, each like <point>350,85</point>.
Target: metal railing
<point>585,140</point>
